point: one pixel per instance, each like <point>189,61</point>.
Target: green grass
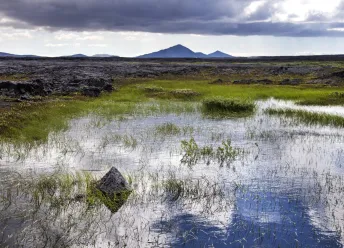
<point>335,98</point>
<point>162,93</point>
<point>152,89</point>
<point>246,92</point>
<point>32,122</point>
<point>307,117</point>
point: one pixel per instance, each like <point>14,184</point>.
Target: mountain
<point>177,51</point>
<point>219,54</point>
<point>6,55</point>
<point>77,56</point>
<point>103,56</point>
<point>180,51</point>
<point>17,56</point>
<point>201,55</point>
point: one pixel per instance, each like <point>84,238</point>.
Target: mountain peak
<point>179,46</point>
<point>177,51</point>
<point>180,51</point>
<point>79,55</point>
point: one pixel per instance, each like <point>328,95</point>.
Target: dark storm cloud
<point>316,17</point>
<point>340,10</point>
<point>218,17</point>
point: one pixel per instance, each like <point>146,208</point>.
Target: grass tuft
<point>153,89</point>
<point>223,106</point>
<point>223,154</point>
<point>184,93</point>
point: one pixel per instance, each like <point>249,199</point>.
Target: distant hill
<point>79,55</point>
<point>6,55</point>
<point>180,51</point>
<point>219,54</point>
<point>17,56</point>
<point>103,56</point>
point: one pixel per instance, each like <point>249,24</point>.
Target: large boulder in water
<point>115,189</point>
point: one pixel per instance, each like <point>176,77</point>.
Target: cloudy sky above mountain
<point>134,27</point>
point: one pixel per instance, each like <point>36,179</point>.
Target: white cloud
<point>253,7</point>
<point>97,45</point>
<point>65,36</point>
<point>15,35</point>
<point>56,45</point>
<point>336,29</point>
<point>301,9</point>
<point>78,36</point>
<point>91,37</point>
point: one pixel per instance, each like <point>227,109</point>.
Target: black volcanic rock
<point>18,89</point>
<point>115,188</point>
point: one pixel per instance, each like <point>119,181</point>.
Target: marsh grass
<point>223,154</point>
<point>218,107</point>
<point>168,129</point>
<point>58,191</point>
<point>307,117</point>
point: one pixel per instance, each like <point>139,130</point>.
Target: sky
<point>130,28</point>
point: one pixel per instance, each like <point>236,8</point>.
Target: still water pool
<point>284,187</point>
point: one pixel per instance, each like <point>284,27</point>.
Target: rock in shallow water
<point>115,189</point>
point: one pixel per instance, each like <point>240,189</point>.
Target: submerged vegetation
<point>308,117</point>
<point>168,129</point>
<point>176,189</point>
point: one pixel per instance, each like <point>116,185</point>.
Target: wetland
<point>217,153</point>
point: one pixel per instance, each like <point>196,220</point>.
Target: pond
<point>280,184</point>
